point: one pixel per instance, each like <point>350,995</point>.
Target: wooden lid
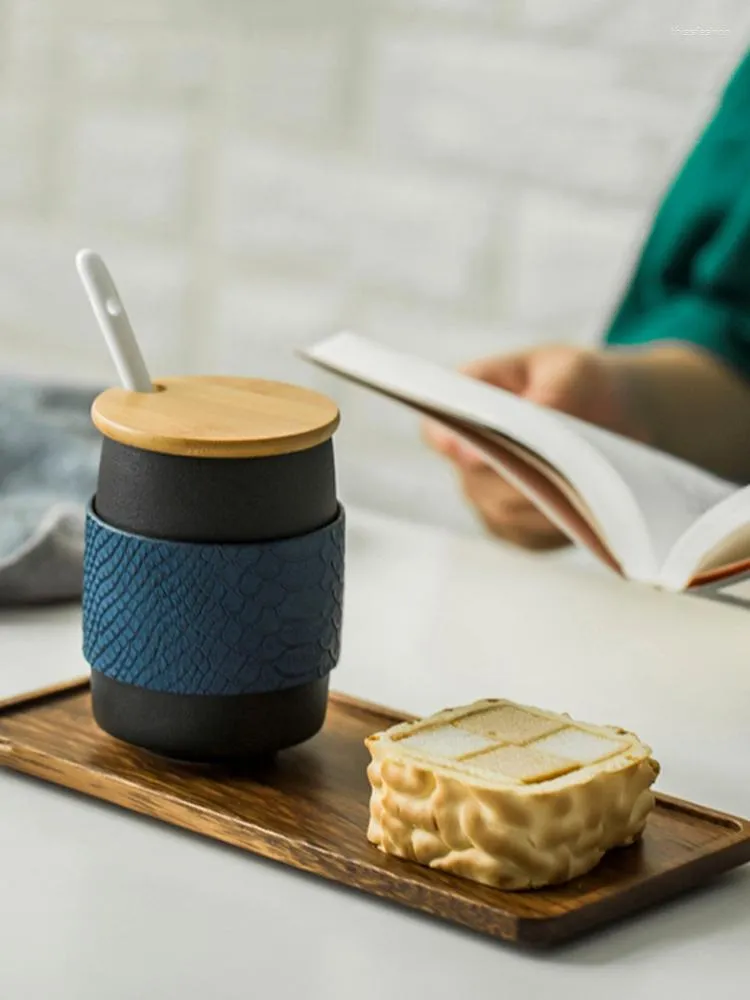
<point>214,416</point>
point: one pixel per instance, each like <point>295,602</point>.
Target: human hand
<point>583,383</point>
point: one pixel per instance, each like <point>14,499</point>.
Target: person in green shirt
<point>674,366</point>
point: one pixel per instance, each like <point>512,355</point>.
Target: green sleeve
<point>692,282</point>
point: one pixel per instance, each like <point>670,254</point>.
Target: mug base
<point>206,728</point>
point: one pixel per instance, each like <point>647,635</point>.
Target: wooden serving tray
<point>309,808</point>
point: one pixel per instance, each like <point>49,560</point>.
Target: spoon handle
<point>113,321</point>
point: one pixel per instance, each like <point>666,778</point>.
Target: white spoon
<point>113,321</point>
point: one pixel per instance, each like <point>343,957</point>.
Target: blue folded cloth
<point>49,452</point>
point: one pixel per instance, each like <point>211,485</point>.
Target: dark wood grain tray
<point>308,809</point>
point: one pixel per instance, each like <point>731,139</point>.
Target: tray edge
<point>68,686</point>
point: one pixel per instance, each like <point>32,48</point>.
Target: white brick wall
<point>566,261</point>
<point>453,176</point>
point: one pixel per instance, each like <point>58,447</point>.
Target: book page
<point>671,494</point>
<point>714,546</point>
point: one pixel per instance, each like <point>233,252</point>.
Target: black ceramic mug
<point>213,572</point>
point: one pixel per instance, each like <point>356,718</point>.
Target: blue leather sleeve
<point>212,619</point>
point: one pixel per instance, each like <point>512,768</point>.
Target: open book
<point>649,516</point>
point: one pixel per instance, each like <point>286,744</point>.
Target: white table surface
<point>98,903</point>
